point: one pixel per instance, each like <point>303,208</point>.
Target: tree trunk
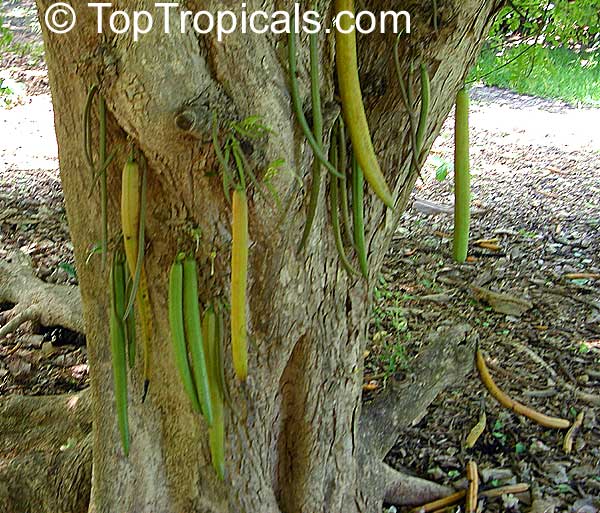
<point>45,453</point>
<point>293,434</point>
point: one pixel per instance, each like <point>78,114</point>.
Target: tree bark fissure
<point>296,419</point>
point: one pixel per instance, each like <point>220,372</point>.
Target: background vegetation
<point>548,49</point>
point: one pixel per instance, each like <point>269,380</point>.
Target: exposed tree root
<point>46,442</point>
<point>45,453</point>
<point>35,300</point>
<point>405,490</point>
<point>446,358</point>
<point>30,313</point>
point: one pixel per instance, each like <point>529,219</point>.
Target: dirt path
<point>536,191</point>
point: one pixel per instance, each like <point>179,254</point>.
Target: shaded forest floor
<point>536,196</point>
<point>536,187</point>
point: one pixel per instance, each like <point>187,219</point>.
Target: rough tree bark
<point>45,453</point>
<point>295,442</point>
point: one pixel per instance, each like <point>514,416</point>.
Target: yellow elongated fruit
<point>132,225</point>
<point>353,106</point>
<point>177,331</point>
<point>462,178</point>
<point>216,433</point>
<point>239,283</point>
<point>193,336</point>
<point>473,491</point>
<point>118,348</point>
<point>130,211</point>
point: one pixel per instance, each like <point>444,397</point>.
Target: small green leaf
<point>441,173</point>
<point>580,281</point>
<point>69,269</point>
<point>583,348</point>
<point>564,488</point>
<point>71,442</point>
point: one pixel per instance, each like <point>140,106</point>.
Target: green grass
<point>556,73</point>
<point>5,35</point>
<point>390,323</point>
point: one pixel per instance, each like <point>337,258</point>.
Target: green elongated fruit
<point>359,221</point>
<point>424,116</point>
<point>129,324</point>
<point>335,217</point>
<point>118,348</point>
<point>103,181</point>
<point>131,345</point>
<point>216,433</point>
<point>462,178</point>
<point>353,106</point>
<point>342,166</point>
<point>239,283</point>
<point>177,331</point>
<point>315,186</point>
<point>297,104</point>
<point>216,439</point>
<point>87,127</point>
<point>220,355</point>
<point>193,336</point>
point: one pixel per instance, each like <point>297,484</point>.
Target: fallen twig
<point>584,396</point>
<point>561,291</point>
<point>549,392</point>
<point>28,314</point>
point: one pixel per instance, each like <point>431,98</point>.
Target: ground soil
<point>536,198</point>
